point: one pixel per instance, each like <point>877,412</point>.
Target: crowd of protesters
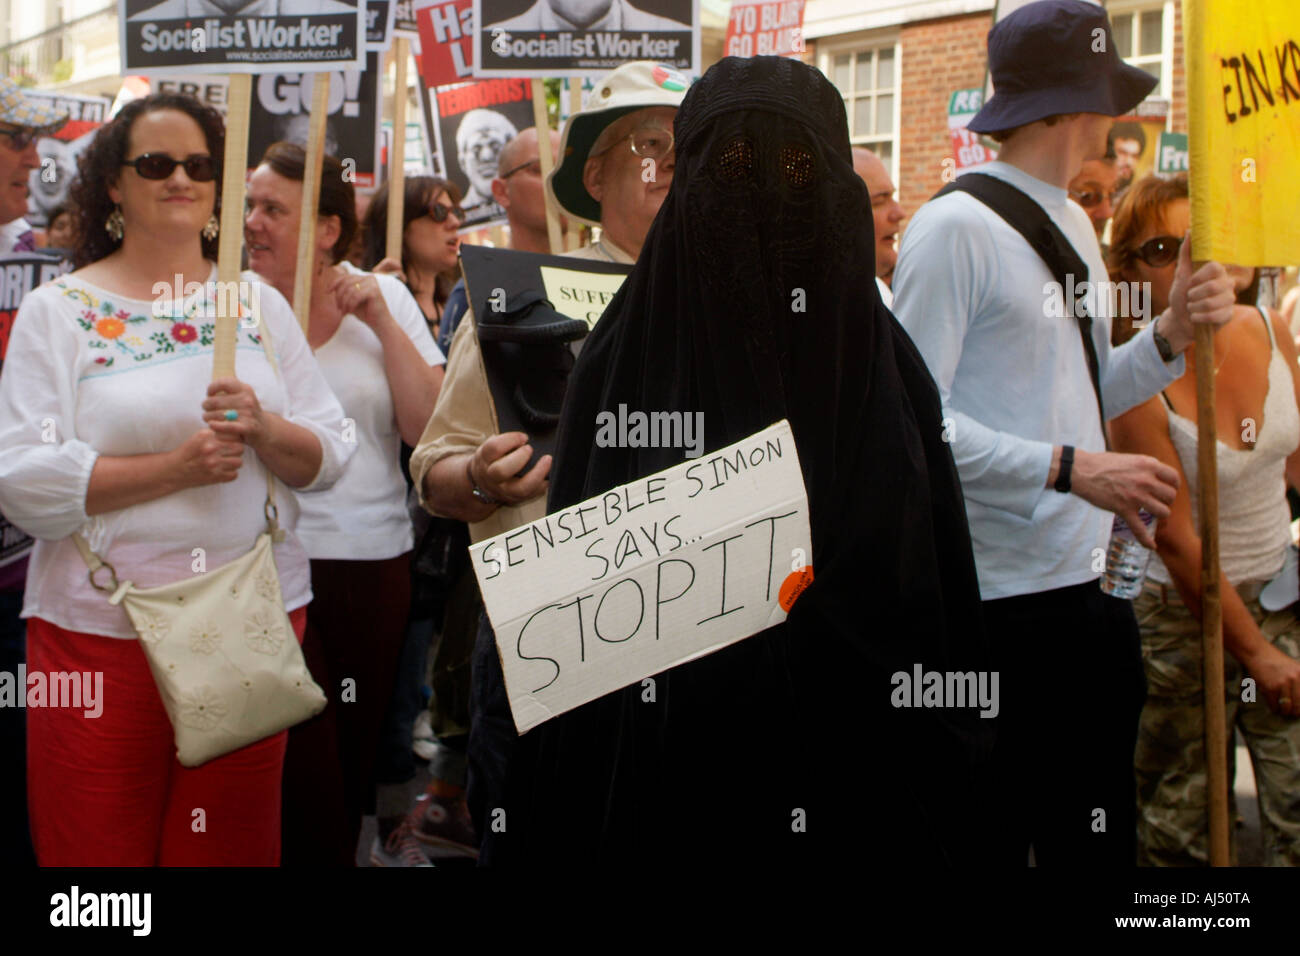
<point>964,462</point>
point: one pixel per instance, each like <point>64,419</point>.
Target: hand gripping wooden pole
<point>303,275</point>
<point>544,155</point>
<point>397,155</point>
<point>1216,743</point>
<point>233,171</point>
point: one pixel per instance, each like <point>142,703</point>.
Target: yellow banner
<point>1243,102</point>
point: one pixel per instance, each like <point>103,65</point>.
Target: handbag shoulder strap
<point>1023,214</point>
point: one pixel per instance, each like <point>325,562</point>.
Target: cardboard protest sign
<point>20,273</point>
<point>649,575</point>
<point>404,18</point>
<point>1171,154</point>
<point>379,24</point>
<point>48,186</point>
<point>967,150</point>
<point>1133,137</point>
<point>1243,102</point>
<point>546,38</point>
<point>528,373</point>
<point>226,36</point>
<point>765,28</point>
<point>475,121</point>
<point>446,42</point>
<point>281,110</point>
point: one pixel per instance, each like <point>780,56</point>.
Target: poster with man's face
<point>240,36</point>
<point>475,121</point>
<point>576,37</point>
<point>48,185</point>
<point>1134,139</point>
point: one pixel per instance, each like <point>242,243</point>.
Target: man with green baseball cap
<point>616,157</point>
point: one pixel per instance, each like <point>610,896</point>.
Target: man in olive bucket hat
<point>616,164</point>
<point>1021,392</point>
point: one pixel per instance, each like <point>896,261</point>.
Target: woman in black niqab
<point>754,300</point>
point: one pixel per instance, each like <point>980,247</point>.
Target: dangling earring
<point>211,228</point>
<point>114,225</point>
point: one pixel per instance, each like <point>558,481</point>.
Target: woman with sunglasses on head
<point>110,427</point>
<point>431,219</point>
<point>377,354</point>
<point>1257,387</point>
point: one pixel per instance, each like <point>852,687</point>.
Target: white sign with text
<point>648,575</point>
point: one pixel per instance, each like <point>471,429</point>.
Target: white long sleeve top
<point>977,300</point>
<point>90,372</point>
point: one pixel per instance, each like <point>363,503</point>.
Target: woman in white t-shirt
<point>110,427</point>
<point>375,350</point>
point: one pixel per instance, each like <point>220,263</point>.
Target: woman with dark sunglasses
<point>1257,388</point>
<point>431,220</point>
<point>110,427</point>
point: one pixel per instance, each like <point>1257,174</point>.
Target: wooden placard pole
<point>397,155</point>
<point>320,88</point>
<point>1216,743</point>
<point>230,244</point>
<point>544,155</point>
<point>574,237</point>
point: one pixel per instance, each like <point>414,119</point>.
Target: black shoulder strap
<point>1031,221</point>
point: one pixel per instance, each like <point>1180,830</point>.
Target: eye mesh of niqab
<point>736,160</point>
<point>797,166</point>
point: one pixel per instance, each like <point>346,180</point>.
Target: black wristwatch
<point>1067,462</point>
<point>1162,345</point>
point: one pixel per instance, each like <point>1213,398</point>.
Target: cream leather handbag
<point>222,650</point>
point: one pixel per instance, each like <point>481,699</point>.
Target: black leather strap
<point>1067,464</point>
<point>1029,219</point>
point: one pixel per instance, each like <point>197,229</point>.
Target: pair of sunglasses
<point>21,138</point>
<point>1087,198</point>
<point>201,169</point>
<point>439,212</point>
<point>1159,250</point>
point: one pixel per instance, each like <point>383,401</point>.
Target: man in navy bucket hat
<point>1027,380</point>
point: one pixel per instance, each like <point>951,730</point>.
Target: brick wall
<point>1178,97</point>
<point>938,57</point>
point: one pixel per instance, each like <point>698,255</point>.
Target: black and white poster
<point>404,18</point>
<point>240,36</point>
<point>379,24</point>
<point>48,185</point>
<point>475,120</point>
<point>281,110</point>
<point>576,37</point>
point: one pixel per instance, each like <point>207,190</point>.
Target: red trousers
<point>108,791</point>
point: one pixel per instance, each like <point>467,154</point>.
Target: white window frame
<point>1127,7</point>
<point>827,51</point>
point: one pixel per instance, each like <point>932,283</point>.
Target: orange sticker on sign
<point>794,584</point>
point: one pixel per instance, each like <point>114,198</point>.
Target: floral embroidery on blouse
<point>108,329</point>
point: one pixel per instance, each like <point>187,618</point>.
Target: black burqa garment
<point>755,300</point>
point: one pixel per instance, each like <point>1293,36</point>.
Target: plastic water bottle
<point>1126,560</point>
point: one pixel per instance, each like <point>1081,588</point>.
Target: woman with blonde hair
<point>1257,387</point>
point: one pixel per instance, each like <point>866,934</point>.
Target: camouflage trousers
<point>1170,759</point>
